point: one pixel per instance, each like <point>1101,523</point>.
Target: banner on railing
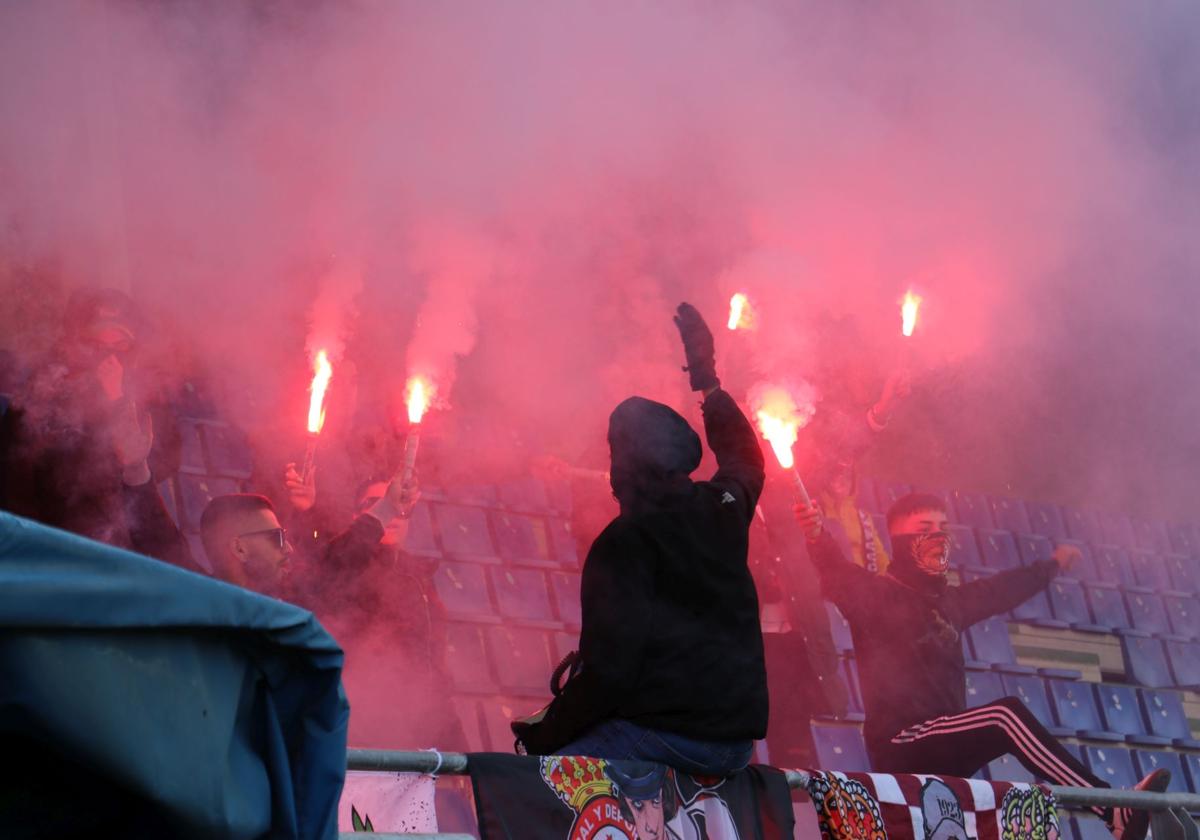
<point>577,798</point>
<point>878,806</point>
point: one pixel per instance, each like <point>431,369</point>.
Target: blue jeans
<point>620,739</point>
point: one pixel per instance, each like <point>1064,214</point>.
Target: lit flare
<point>322,373</point>
<point>417,400</point>
<point>908,312</point>
<point>738,311</point>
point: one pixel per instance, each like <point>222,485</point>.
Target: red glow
<point>322,373</point>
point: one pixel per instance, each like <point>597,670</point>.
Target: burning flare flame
<point>738,306</point>
<point>419,392</point>
<point>781,415</point>
<point>908,312</point>
<point>322,373</point>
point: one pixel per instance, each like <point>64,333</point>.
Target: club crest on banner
<point>943,813</point>
<point>1028,814</point>
<point>848,809</point>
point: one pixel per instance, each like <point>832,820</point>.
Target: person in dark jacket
<point>671,649</point>
<point>907,627</point>
<point>76,446</point>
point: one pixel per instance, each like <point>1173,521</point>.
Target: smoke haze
<point>511,198</point>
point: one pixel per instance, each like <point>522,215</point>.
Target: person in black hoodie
<point>907,625</point>
<point>671,656</point>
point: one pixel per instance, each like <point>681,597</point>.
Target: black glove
<point>697,347</point>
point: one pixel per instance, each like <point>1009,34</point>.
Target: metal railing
<point>1170,812</point>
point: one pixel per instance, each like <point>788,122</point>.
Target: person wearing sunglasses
<point>246,545</point>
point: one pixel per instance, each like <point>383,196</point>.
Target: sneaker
<point>1129,824</point>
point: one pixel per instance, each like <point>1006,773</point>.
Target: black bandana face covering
<point>927,552</point>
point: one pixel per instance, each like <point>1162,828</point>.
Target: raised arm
<point>850,587</point>
<point>1000,593</point>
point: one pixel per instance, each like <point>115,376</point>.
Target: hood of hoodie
<point>653,451</point>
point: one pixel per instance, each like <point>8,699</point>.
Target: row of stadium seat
<point>494,593</point>
<point>979,510</point>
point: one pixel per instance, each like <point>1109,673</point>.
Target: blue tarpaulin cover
<point>142,698</point>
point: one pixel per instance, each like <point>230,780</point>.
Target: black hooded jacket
<point>907,629</point>
<point>671,637</point>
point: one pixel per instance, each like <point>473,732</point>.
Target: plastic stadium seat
<point>1184,656</point>
<point>1147,761</point>
<point>1184,614</point>
<point>840,747</point>
<point>839,629</point>
<point>1184,539</point>
<point>526,494</point>
<point>887,494</point>
<point>971,509</point>
<point>1191,764</point>
<point>1150,571</point>
<point>1068,603</point>
<point>463,590</point>
<point>1151,535</point>
<point>1037,610</point>
<point>866,498</point>
<point>464,531</point>
<point>196,491</point>
<point>1107,605</point>
<point>1046,519</point>
<point>1184,571</point>
<point>1082,525</point>
<point>998,550</point>
<point>473,494</point>
<point>466,709</point>
<point>1145,661</point>
<point>498,715</point>
<point>522,594</point>
<point>521,539</point>
<point>466,658</point>
<point>191,450</point>
<point>420,538</point>
<point>1034,547</point>
<point>1113,765</point>
<point>521,657</point>
<point>1008,769</point>
<point>1010,515</point>
<point>565,587</point>
<point>1117,529</point>
<point>563,643</point>
<point>166,492</point>
<point>1122,714</point>
<point>983,687</point>
<point>558,495</point>
<point>1090,827</point>
<point>1075,708</point>
<point>1031,691</point>
<point>964,551</point>
<point>563,541</point>
<point>1146,612</point>
<point>228,451</point>
<point>854,706</point>
<point>991,645</point>
<point>1112,565</point>
<point>1166,717</point>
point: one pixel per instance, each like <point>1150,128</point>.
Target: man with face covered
<point>907,627</point>
<point>671,648</point>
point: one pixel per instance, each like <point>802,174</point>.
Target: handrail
<point>402,761</point>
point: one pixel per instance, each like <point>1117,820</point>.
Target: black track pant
<point>961,744</point>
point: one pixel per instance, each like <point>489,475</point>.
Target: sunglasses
<point>278,535</point>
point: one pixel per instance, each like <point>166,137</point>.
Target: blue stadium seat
<point>840,747</point>
<point>991,645</point>
<point>971,509</point>
<point>1122,714</point>
<point>191,450</point>
<point>521,539</point>
<point>1113,765</point>
<point>464,532</point>
<point>1117,529</point>
<point>1082,525</point>
<point>1037,611</point>
<point>1146,612</point>
<point>522,659</point>
<point>498,715</point>
<point>472,494</point>
<point>562,539</point>
<point>1107,605</point>
<point>1090,827</point>
<point>1184,539</point>
<point>1145,660</point>
<point>1008,769</point>
<point>524,494</point>
<point>166,492</point>
<point>1147,761</point>
<point>1184,571</point>
<point>1151,536</point>
<point>854,710</point>
<point>964,551</point>
<point>998,550</point>
<point>196,491</point>
<point>1075,709</point>
<point>1030,690</point>
<point>466,709</point>
<point>1149,571</point>
<point>558,494</point>
<point>983,687</point>
<point>228,451</point>
<point>1191,765</point>
<point>839,629</point>
<point>1183,611</point>
<point>1010,515</point>
<point>420,538</point>
<point>466,658</point>
<point>1046,519</point>
<point>463,589</point>
<point>1166,717</point>
<point>565,586</point>
<point>1184,656</point>
<point>522,594</point>
<point>1069,604</point>
<point>1034,547</point>
<point>1112,565</point>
